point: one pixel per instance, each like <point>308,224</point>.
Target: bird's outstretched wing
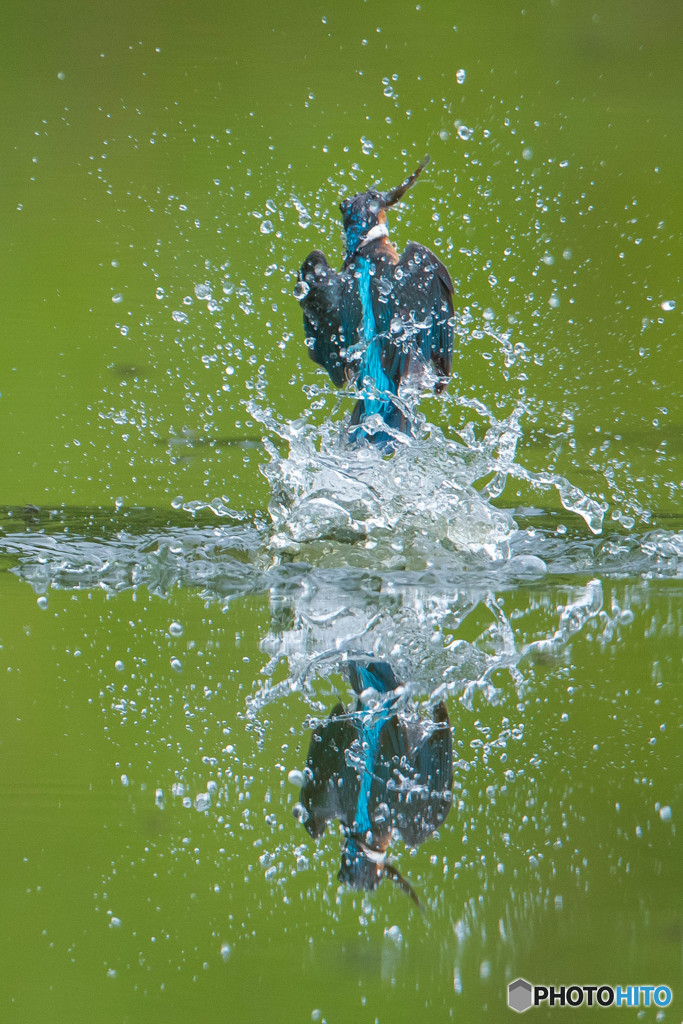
<point>332,313</point>
<point>415,769</point>
<point>331,785</point>
<point>421,315</point>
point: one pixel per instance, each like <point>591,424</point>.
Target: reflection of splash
<point>418,631</point>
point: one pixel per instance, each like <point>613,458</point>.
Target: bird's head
<point>365,215</point>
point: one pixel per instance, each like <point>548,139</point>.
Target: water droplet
<point>266,227</point>
<point>554,300</point>
<point>460,76</point>
<point>119,666</point>
<point>669,305</point>
<point>203,291</point>
<point>665,813</point>
<point>301,290</point>
<point>160,293</point>
<point>180,317</point>
<point>175,629</point>
<point>61,76</point>
<point>117,298</point>
<point>226,950</point>
<point>176,664</point>
<point>115,922</point>
<point>300,813</point>
<point>464,132</point>
<point>295,777</point>
<point>42,602</point>
<point>202,801</point>
<point>527,153</point>
<point>366,146</point>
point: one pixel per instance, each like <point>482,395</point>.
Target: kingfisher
<point>379,772</point>
<point>381,319</point>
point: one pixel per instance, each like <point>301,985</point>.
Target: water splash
<point>434,494</point>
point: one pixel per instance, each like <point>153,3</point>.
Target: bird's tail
<point>367,426</point>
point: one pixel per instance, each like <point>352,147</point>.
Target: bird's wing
<point>332,313</point>
<point>331,786</point>
<point>421,321</point>
<point>418,788</point>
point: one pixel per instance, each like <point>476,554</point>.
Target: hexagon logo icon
<point>520,996</point>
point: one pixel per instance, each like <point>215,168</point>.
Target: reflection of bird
<point>377,771</point>
<point>381,317</point>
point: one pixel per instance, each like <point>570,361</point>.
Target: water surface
<point>190,556</point>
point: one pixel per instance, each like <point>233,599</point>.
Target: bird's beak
<point>394,194</point>
<point>391,872</point>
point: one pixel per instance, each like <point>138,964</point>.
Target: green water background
<point>144,148</point>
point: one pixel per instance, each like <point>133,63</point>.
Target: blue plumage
<point>380,318</point>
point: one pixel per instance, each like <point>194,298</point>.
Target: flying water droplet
<point>300,813</point>
<point>460,76</point>
<point>202,801</point>
<point>266,227</point>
